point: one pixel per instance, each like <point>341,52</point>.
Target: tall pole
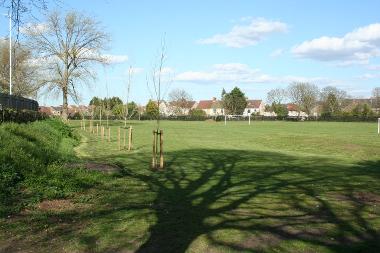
<point>10,52</point>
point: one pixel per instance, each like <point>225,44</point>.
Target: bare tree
<point>19,10</point>
<point>159,84</point>
<point>277,96</point>
<point>25,73</point>
<point>180,101</point>
<point>304,95</point>
<point>128,91</point>
<point>376,97</point>
<point>69,45</point>
<point>340,95</point>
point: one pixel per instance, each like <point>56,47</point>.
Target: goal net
<point>237,118</point>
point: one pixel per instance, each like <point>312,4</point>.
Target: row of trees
<point>56,56</point>
<point>327,102</point>
<point>114,106</point>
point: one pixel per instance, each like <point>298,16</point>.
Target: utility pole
<point>10,52</point>
<point>9,15</point>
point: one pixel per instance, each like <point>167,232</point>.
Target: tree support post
<point>130,138</point>
<point>158,135</point>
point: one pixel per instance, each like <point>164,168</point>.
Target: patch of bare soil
<point>57,205</point>
<point>104,167</point>
<point>362,197</point>
<point>261,241</point>
<point>367,197</point>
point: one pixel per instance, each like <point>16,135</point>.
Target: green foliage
<point>197,113</point>
<point>279,109</point>
<point>96,101</point>
<point>362,110</point>
<point>32,157</point>
<point>331,106</point>
<point>132,109</point>
<point>118,110</point>
<point>234,102</point>
<point>152,109</point>
<point>113,106</point>
<point>20,116</point>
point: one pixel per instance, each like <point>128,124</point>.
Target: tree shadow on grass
<point>266,197</point>
<point>230,200</point>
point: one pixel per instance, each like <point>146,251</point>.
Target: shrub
<point>20,116</point>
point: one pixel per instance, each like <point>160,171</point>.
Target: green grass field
<point>267,187</point>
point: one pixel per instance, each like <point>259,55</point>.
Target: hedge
<point>20,116</point>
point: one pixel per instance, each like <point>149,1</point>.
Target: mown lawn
<point>268,187</point>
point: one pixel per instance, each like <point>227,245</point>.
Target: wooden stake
<point>124,137</point>
<point>84,125</point>
<point>154,150</point>
<point>118,137</point>
<point>97,129</point>
<point>102,133</point>
<point>161,149</point>
<point>130,138</point>
<point>109,134</point>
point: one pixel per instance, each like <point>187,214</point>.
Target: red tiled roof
<point>45,109</point>
<point>292,107</point>
<point>253,103</point>
<point>188,104</point>
<point>208,104</point>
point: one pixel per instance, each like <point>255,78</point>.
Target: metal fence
<point>17,103</point>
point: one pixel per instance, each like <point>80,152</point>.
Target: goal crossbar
<point>231,116</point>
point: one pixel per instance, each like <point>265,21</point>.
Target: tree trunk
<point>64,104</point>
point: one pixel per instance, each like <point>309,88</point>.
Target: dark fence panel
<point>17,103</point>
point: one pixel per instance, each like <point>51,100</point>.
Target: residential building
<point>254,107</point>
<point>174,109</point>
<point>211,107</point>
<point>294,112</point>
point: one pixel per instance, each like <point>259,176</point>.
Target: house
<point>57,110</point>
<point>47,110</point>
<point>164,108</point>
<point>173,108</point>
<point>254,107</point>
<point>293,112</point>
<point>211,107</point>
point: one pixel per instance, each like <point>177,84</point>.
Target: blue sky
<point>255,45</point>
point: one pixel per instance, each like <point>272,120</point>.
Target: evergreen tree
<point>234,102</point>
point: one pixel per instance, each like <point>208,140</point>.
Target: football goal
<point>237,118</point>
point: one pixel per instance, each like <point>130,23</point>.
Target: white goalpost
<point>378,126</point>
<point>226,117</point>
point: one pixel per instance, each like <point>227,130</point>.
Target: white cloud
<point>356,47</point>
<point>34,28</point>
<point>277,53</point>
<point>247,35</point>
<point>368,76</point>
<point>109,59</point>
<point>115,59</point>
<point>373,67</point>
<point>240,73</point>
